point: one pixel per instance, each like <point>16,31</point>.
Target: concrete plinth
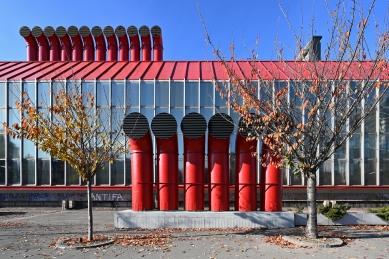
<point>206,219</point>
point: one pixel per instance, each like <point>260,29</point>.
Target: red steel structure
<point>132,32</point>
<point>89,46</point>
<point>43,44</point>
<point>120,32</point>
<point>144,32</point>
<point>193,127</point>
<point>164,127</point>
<point>55,45</point>
<point>245,171</point>
<point>109,34</point>
<point>77,43</point>
<point>97,33</point>
<point>136,127</point>
<point>220,127</point>
<point>156,33</point>
<point>32,46</point>
<point>66,44</point>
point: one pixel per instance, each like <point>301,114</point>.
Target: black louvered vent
<point>164,125</point>
<point>135,125</point>
<point>221,126</point>
<point>193,125</point>
<point>245,129</point>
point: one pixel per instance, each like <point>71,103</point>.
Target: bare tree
<point>307,118</point>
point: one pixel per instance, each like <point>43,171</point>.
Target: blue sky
<point>183,33</point>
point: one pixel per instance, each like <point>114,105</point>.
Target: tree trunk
<point>311,229</point>
<point>90,217</point>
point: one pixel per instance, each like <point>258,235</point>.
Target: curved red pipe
<point>32,46</point>
<point>194,157</point>
<point>55,45</point>
<point>142,172</point>
<point>66,44</point>
<point>132,32</point>
<point>43,44</point>
<point>156,33</point>
<point>120,32</point>
<point>97,33</point>
<point>144,33</point>
<point>89,48</point>
<point>109,34</point>
<point>77,43</point>
<point>245,174</point>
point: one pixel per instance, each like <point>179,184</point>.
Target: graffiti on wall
<point>64,196</point>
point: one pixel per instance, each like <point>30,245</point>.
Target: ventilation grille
<point>120,31</point>
<point>193,125</point>
<point>132,31</point>
<point>144,31</point>
<point>245,129</point>
<point>48,31</point>
<point>36,31</point>
<point>108,31</point>
<point>135,125</point>
<point>156,30</point>
<point>72,31</point>
<point>24,31</point>
<point>97,31</point>
<point>84,31</point>
<point>164,125</point>
<point>221,126</point>
<point>60,31</point>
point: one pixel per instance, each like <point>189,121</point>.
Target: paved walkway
<point>44,225</point>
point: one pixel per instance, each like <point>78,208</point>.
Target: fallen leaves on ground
<point>12,224</point>
<point>277,240</point>
<point>370,227</point>
<point>170,230</point>
<point>143,240</point>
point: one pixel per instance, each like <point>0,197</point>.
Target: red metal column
<point>156,32</point>
<point>97,33</point>
<point>66,44</point>
<point>245,172</point>
<point>220,128</point>
<point>32,46</point>
<point>54,43</point>
<point>77,43</point>
<point>43,49</point>
<point>193,127</point>
<point>164,127</point>
<point>136,127</point>
<point>89,46</point>
<point>109,34</point>
<point>144,32</point>
<point>120,32</point>
<point>132,32</point>
<point>262,180</point>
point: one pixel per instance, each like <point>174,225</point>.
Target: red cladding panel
<point>115,69</point>
<point>96,74</point>
<point>49,72</point>
<point>166,70</point>
<point>180,70</point>
<point>153,71</point>
<point>140,70</point>
<point>126,71</point>
<point>193,70</point>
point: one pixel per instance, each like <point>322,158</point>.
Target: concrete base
<point>206,219</point>
<point>351,218</point>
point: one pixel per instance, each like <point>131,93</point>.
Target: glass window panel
<point>340,172</point>
<point>2,146</point>
<point>102,97</point>
<point>102,176</point>
<point>28,149</point>
<point>132,92</point>
<point>180,145</point>
<point>28,171</point>
<point>117,119</point>
<point>73,85</point>
<point>14,93</point>
<point>29,88</point>
<point>160,110</point>
<point>88,87</point>
<point>43,173</point>
<point>325,177</point>
<point>2,172</point>
<point>117,171</point>
<point>43,94</point>
<point>232,143</point>
<point>370,122</point>
<point>384,120</point>
<point>178,113</point>
<point>207,113</point>
<point>285,177</point>
<point>355,146</point>
<point>341,152</point>
<point>128,170</point>
<point>355,172</point>
<point>2,94</point>
<point>13,171</point>
<point>221,110</point>
<point>147,94</point>
<point>206,94</point>
<point>232,168</point>
<point>296,179</point>
<point>131,110</point>
<point>58,86</point>
<point>117,93</point>
<point>370,146</point>
<point>191,94</point>
<point>189,110</point>
<point>384,146</point>
<point>148,113</point>
<point>72,177</point>
<point>235,118</point>
<point>219,100</point>
<point>384,172</point>
<point>57,172</point>
<point>370,172</point>
<point>180,171</point>
<point>13,144</point>
<point>161,94</point>
<point>385,100</point>
<point>176,94</point>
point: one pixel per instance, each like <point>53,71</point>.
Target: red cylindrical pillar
<point>156,33</point>
<point>32,46</point>
<point>97,33</point>
<point>109,34</point>
<point>164,127</point>
<point>120,32</point>
<point>144,32</point>
<point>193,127</point>
<point>89,46</point>
<point>262,181</point>
<point>245,173</point>
<point>43,49</point>
<point>77,43</point>
<point>220,128</point>
<point>55,51</point>
<point>132,32</point>
<point>136,127</point>
<point>66,44</point>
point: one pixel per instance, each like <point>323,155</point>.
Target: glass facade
<point>363,160</point>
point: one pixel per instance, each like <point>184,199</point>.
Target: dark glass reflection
<point>325,176</point>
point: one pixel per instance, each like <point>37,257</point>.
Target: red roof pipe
<point>97,33</point>
<point>55,45</point>
<point>66,43</point>
<point>144,32</point>
<point>156,33</point>
<point>32,46</point>
<point>132,32</point>
<point>77,43</point>
<point>120,32</point>
<point>89,45</point>
<point>43,43</point>
<point>110,35</point>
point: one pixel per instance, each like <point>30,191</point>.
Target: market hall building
<point>128,64</point>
